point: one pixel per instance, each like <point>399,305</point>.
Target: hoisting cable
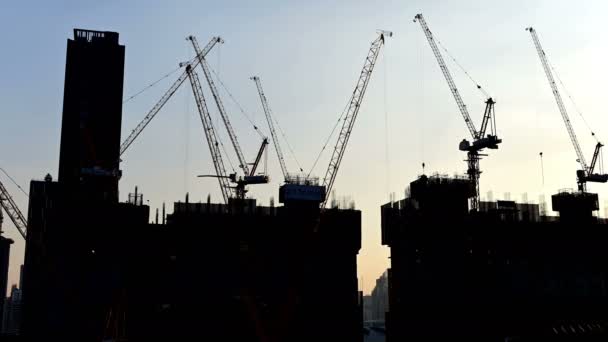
<point>572,100</point>
<point>187,95</point>
<point>255,127</point>
<point>186,139</point>
<point>483,91</point>
<point>601,161</point>
<point>14,182</point>
<point>219,60</point>
<point>386,130</point>
<point>328,139</point>
<point>423,122</point>
<point>266,161</point>
<point>150,85</point>
<point>293,155</point>
<point>226,153</point>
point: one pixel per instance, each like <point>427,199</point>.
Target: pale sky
<point>309,55</point>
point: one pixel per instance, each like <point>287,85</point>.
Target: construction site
<point>495,270</point>
<point>96,269</point>
<point>461,266</point>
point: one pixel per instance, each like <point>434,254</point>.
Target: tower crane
<point>220,105</point>
<point>273,133</point>
<point>586,173</point>
<point>168,94</point>
<point>351,113</point>
<point>212,140</point>
<point>249,176</point>
<point>10,207</point>
<point>228,191</point>
<point>480,139</point>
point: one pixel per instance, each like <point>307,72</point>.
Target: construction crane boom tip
<point>385,33</point>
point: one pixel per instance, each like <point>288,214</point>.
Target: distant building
<point>379,298</point>
<point>368,307</point>
<point>497,274</point>
<point>11,320</point>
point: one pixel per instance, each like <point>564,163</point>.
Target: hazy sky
<point>309,55</point>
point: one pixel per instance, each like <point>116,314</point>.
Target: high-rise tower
<point>92,112</point>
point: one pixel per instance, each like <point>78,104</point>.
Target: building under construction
<point>502,272</point>
<point>228,272</point>
<point>96,269</point>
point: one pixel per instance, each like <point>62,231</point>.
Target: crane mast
<point>10,207</point>
<point>273,133</point>
<point>220,106</point>
<point>480,139</point>
<point>212,140</point>
<point>352,111</point>
<point>586,173</point>
<point>168,94</point>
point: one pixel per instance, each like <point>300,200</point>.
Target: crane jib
<point>558,99</point>
<point>351,113</point>
<point>168,94</point>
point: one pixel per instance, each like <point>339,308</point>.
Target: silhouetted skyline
<point>308,55</point>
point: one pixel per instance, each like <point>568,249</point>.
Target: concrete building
<point>512,211</point>
<point>288,268</point>
<point>494,275</point>
<point>379,298</point>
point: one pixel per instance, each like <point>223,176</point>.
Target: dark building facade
<point>379,297</point>
<point>5,251</point>
<point>95,269</point>
<point>217,272</point>
<point>92,113</point>
<point>11,320</point>
<point>490,276</point>
<point>276,274</point>
<point>575,207</point>
<point>75,261</point>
